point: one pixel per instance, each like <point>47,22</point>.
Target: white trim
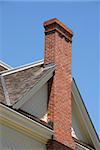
<point>5,91</point>
<point>23,67</point>
<point>25,125</point>
<point>6,66</point>
<point>49,67</point>
<point>36,87</point>
<point>83,147</point>
<point>82,110</point>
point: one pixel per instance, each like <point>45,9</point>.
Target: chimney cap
<point>55,20</point>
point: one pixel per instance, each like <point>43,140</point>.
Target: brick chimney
<point>58,50</point>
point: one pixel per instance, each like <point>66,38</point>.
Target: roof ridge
<point>3,64</point>
<point>23,67</point>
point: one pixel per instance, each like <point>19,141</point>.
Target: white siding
<point>13,140</point>
<point>79,129</point>
<point>37,105</point>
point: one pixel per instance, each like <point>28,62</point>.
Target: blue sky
<point>22,40</point>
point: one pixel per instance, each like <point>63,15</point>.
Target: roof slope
<point>4,66</point>
<point>2,97</point>
<point>19,82</point>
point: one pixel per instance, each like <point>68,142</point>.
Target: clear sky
<point>22,40</point>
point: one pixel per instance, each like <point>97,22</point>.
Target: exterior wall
<point>13,140</point>
<point>37,105</point>
<point>79,130</point>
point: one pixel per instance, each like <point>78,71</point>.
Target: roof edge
<point>6,66</point>
<point>90,127</point>
<point>24,125</point>
<point>36,87</point>
<point>23,67</point>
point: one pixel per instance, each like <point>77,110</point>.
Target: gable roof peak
<point>5,66</point>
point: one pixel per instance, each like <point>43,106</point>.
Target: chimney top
<point>55,24</point>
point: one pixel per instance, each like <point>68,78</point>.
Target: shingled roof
<point>2,97</point>
<point>17,82</point>
<point>4,66</point>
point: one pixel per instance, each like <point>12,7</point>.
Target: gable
<point>31,96</point>
<point>79,129</point>
<point>4,66</point>
<point>47,73</point>
<point>20,83</point>
<point>37,104</point>
<point>83,128</point>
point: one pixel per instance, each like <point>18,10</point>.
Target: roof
<point>4,66</point>
<point>24,124</point>
<point>2,97</point>
<point>18,82</point>
<point>34,118</point>
<point>82,144</point>
<point>22,67</point>
<point>28,115</point>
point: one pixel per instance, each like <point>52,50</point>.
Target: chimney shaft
<point>58,50</point>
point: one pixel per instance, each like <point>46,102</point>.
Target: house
<point>41,107</point>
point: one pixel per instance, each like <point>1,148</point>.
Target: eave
<point>24,125</point>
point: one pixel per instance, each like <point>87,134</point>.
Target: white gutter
<point>24,125</point>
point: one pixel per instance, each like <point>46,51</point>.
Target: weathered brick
<point>58,50</point>
<point>54,145</point>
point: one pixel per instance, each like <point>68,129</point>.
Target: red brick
<point>58,50</point>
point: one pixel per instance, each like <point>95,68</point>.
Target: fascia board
<point>81,108</point>
<point>24,125</point>
<point>36,87</point>
<point>21,68</point>
<point>6,66</point>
